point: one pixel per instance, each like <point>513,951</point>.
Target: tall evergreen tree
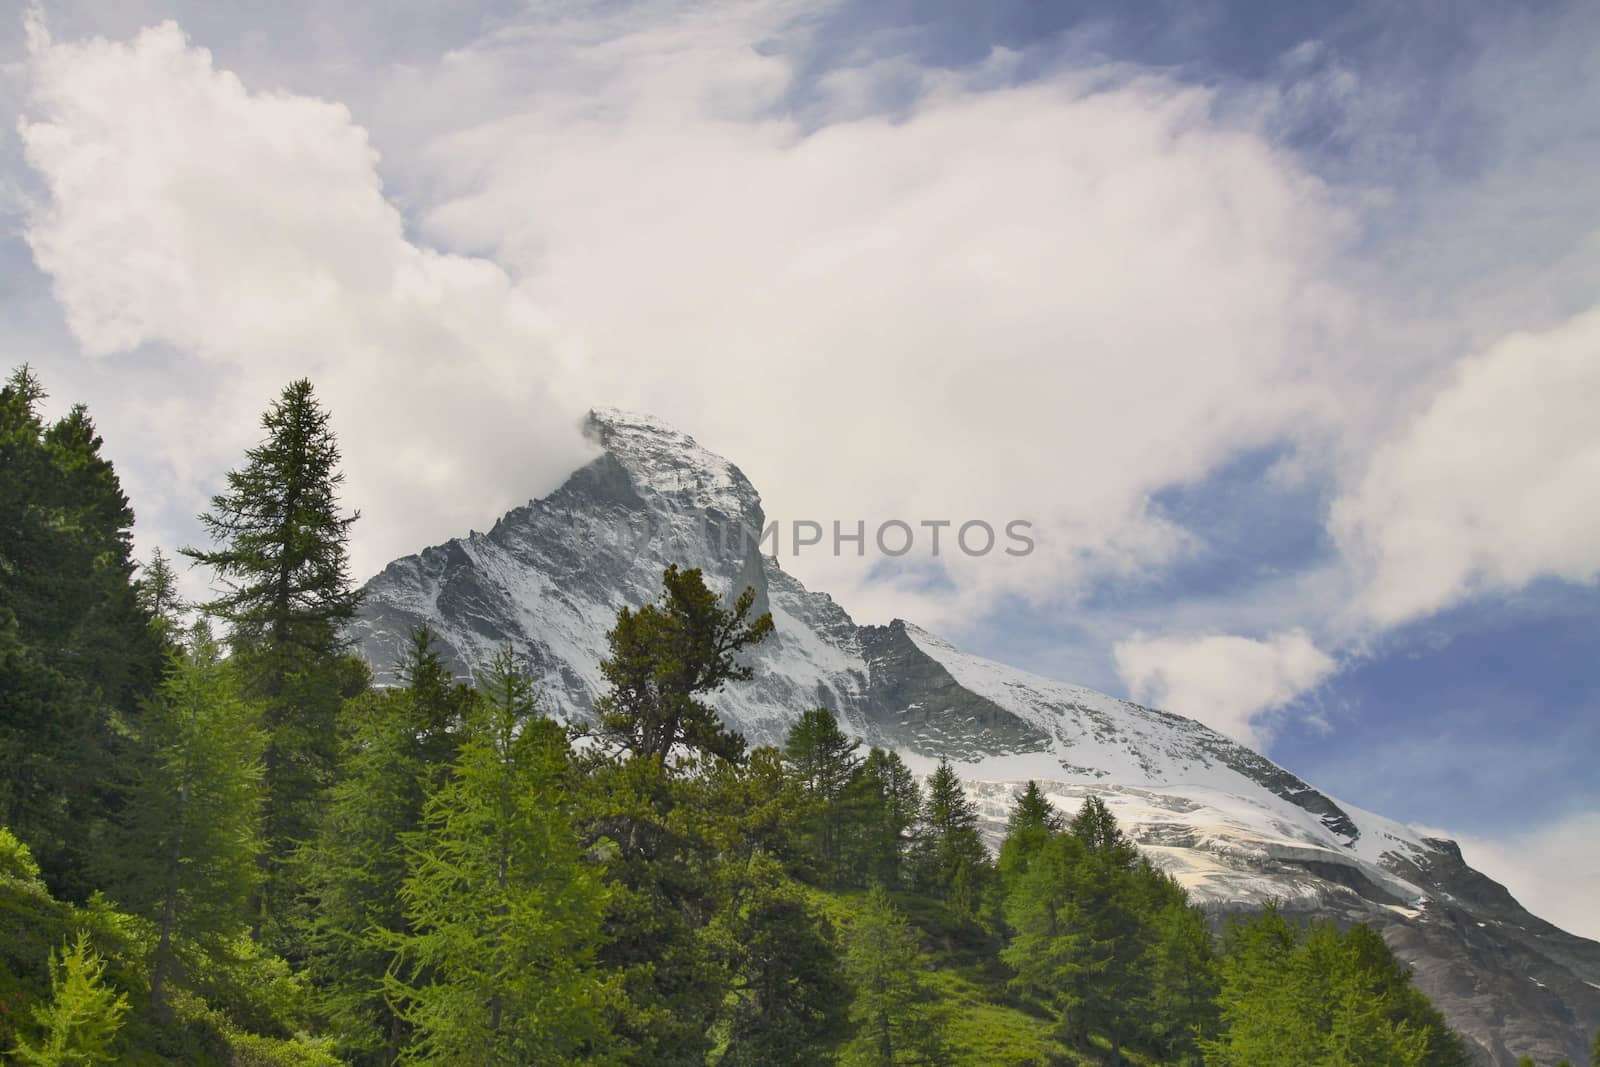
<point>77,652</point>
<point>398,743</point>
<point>1030,825</point>
<point>896,1012</point>
<point>953,863</point>
<point>497,966</point>
<point>822,759</point>
<point>789,999</point>
<point>1081,945</point>
<point>194,815</point>
<point>281,558</point>
<point>882,806</point>
<point>158,595</point>
<point>1181,1010</point>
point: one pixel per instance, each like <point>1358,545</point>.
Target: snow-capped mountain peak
<point>1234,827</point>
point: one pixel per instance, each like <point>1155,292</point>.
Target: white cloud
<point>1041,302</point>
<point>1044,301</point>
<point>1551,870</point>
<point>250,229</point>
<point>1229,683</point>
<point>1492,485</point>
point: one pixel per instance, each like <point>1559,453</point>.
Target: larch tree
<point>898,1018</point>
<point>822,759</point>
<point>398,745</point>
<point>954,865</point>
<point>503,911</point>
<point>193,818</point>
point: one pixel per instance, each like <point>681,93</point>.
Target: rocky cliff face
<point>1233,826</point>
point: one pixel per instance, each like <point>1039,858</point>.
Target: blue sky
<point>1280,321</point>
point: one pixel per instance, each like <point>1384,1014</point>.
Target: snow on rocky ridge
<point>1232,826</point>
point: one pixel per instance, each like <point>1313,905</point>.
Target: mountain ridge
<point>1232,825</point>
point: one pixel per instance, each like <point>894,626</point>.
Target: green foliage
<point>281,559</point>
<point>788,999</point>
<point>663,657</point>
<point>447,878</point>
<point>1318,995</point>
<point>822,759</point>
<point>884,803</point>
<point>81,1021</point>
<point>193,817</point>
<point>397,744</point>
<point>77,652</point>
<point>952,862</point>
<point>896,1012</point>
<point>504,914</point>
<point>158,596</point>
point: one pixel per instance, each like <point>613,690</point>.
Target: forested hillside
<point>224,845</point>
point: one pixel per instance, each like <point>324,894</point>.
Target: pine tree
<point>398,743</point>
<point>83,1016</point>
<point>77,652</point>
<point>664,657</point>
<point>194,816</point>
<point>789,999</point>
<point>897,1016</point>
<point>953,863</point>
<point>158,596</point>
<point>823,760</point>
<point>1081,945</point>
<point>1319,995</point>
<point>882,805</point>
<point>1032,822</point>
<point>1181,1012</point>
<point>281,558</point>
<point>497,966</point>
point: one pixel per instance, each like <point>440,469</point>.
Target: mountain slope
<point>1236,828</point>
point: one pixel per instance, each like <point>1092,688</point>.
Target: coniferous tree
<point>194,815</point>
<point>953,863</point>
<point>1181,1011</point>
<point>281,558</point>
<point>398,743</point>
<point>1319,995</point>
<point>77,652</point>
<point>883,804</point>
<point>497,966</point>
<point>1082,947</point>
<point>1032,822</point>
<point>898,1018</point>
<point>81,1020</point>
<point>158,595</point>
<point>822,759</point>
<point>664,658</point>
<point>789,1000</point>
<point>646,803</point>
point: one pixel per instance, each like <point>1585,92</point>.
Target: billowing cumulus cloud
<point>250,229</point>
<point>888,291</point>
<point>1229,683</point>
<point>1040,301</point>
<point>1496,482</point>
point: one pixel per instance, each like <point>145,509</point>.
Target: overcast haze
<point>1282,328</point>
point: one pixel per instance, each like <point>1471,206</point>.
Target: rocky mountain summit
<point>1234,827</point>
